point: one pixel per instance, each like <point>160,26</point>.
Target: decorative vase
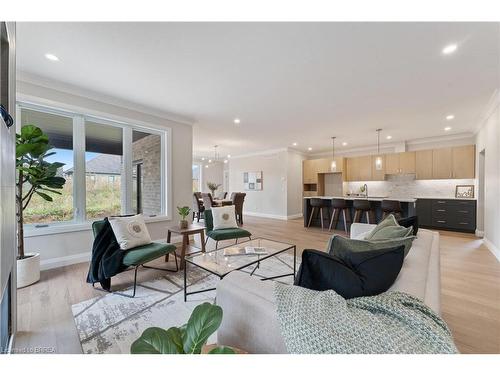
<point>183,224</point>
<point>28,270</point>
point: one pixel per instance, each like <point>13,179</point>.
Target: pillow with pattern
<point>224,217</point>
<point>130,231</point>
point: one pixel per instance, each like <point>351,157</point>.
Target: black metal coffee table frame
<point>256,262</point>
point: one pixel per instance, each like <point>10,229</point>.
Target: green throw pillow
<point>389,221</point>
<point>391,232</point>
<point>340,246</point>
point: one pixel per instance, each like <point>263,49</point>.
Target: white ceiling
<point>287,82</point>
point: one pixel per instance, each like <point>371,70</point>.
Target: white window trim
<point>80,115</point>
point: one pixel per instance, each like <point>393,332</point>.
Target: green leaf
<point>222,350</point>
<point>30,131</point>
<point>50,190</point>
<point>204,321</point>
<point>23,149</point>
<point>156,340</point>
<point>44,196</point>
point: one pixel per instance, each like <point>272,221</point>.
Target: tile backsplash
<point>405,186</point>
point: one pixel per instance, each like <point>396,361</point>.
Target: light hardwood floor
<point>470,287</point>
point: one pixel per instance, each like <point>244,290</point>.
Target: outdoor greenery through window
<point>196,177</point>
<point>60,132</point>
<point>103,169</point>
<point>104,175</point>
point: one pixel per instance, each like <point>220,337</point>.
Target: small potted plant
<point>212,186</point>
<point>183,212</point>
<point>39,177</point>
<point>187,339</point>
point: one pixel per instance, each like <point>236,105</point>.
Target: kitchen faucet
<point>364,189</point>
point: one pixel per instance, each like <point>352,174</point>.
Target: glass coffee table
<point>219,264</point>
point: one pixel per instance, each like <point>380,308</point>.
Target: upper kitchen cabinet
<point>463,161</point>
<point>442,163</point>
<point>309,171</point>
<point>362,168</point>
<point>378,174</point>
<point>423,165</point>
<point>400,163</point>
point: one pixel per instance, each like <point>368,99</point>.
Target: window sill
<point>31,231</point>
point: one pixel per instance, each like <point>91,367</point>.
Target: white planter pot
<point>28,270</point>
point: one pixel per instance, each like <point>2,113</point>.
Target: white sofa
<point>250,320</point>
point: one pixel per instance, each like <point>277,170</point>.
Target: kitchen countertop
<point>448,198</point>
<point>374,199</point>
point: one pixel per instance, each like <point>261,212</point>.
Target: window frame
<point>80,116</point>
<point>200,169</point>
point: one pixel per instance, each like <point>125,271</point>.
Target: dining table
<point>220,202</point>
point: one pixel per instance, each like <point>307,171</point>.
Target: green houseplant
<point>187,339</point>
<point>39,177</point>
<point>183,212</point>
<point>212,186</point>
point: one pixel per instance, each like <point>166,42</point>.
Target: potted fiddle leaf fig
<point>183,212</point>
<point>212,186</point>
<point>187,339</point>
<point>35,176</point>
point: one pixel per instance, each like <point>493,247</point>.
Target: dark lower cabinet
<point>447,214</point>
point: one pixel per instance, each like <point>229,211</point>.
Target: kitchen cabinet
<point>309,175</point>
<point>448,214</point>
<point>423,165</point>
<point>364,168</point>
<point>400,163</point>
<point>463,161</point>
<point>442,163</point>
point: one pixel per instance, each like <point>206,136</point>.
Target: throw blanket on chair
<point>106,259</point>
<point>392,322</point>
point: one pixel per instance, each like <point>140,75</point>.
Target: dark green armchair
<point>223,234</point>
<point>140,255</point>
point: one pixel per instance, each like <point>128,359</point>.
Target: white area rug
<point>110,323</point>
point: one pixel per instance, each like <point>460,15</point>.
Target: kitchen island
<point>408,205</point>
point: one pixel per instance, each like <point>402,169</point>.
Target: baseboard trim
<point>479,233</point>
<point>495,251</point>
<point>272,216</point>
<point>68,260</point>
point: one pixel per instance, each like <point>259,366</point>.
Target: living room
<point>250,187</point>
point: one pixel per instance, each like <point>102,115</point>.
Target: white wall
<point>72,247</point>
<point>214,173</point>
<point>281,195</point>
<point>488,139</point>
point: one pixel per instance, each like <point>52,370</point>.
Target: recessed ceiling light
<point>236,120</point>
<point>228,156</point>
<point>450,117</point>
<point>344,143</point>
<point>51,57</point>
<point>206,166</point>
<point>202,159</point>
<point>225,161</point>
<point>209,160</point>
<point>389,137</point>
<point>448,128</point>
<point>450,48</point>
<point>309,149</point>
<point>294,144</point>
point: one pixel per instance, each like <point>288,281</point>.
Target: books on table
<point>247,250</point>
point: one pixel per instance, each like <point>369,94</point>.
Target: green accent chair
<point>138,256</point>
<point>223,234</point>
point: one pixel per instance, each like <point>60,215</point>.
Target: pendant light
<point>333,165</point>
<point>378,159</point>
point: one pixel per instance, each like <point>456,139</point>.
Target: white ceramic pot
<point>28,270</point>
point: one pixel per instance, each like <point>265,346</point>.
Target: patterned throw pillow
<point>224,217</point>
<point>130,231</point>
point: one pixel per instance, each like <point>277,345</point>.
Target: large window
<point>60,132</point>
<point>196,177</point>
<point>110,168</point>
<point>103,169</point>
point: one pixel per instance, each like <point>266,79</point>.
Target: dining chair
<point>197,206</point>
<point>237,201</point>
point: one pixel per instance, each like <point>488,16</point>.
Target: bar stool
<point>340,205</point>
<point>318,203</point>
<point>391,207</point>
<point>362,206</point>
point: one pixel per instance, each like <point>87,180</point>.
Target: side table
<point>190,230</point>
